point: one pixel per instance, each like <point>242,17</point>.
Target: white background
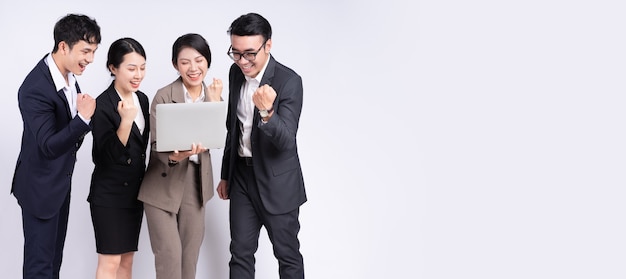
<point>439,139</point>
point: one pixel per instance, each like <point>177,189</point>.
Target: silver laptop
<point>181,124</point>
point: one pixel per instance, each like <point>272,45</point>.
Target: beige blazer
<point>162,185</point>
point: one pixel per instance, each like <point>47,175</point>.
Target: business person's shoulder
<point>281,70</point>
<point>142,96</point>
<point>39,78</point>
<point>235,74</point>
<point>164,94</point>
<point>234,69</point>
<point>107,94</point>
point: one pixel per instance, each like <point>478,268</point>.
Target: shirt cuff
<point>83,119</point>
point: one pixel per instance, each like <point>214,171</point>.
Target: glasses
<point>250,56</point>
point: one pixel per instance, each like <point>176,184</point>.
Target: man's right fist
<point>86,105</point>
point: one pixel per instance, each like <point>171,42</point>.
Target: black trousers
<point>247,216</point>
<point>44,240</point>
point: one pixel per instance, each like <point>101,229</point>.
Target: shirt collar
<point>57,77</point>
<point>188,98</point>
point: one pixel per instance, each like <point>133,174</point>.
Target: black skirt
<point>116,229</point>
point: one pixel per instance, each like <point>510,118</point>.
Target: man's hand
<point>264,97</point>
<point>222,189</point>
<point>86,105</point>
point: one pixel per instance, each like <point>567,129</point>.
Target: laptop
<point>181,124</point>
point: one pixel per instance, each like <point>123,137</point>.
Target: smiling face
<point>130,73</point>
<point>76,58</point>
<point>192,67</point>
<point>248,44</point>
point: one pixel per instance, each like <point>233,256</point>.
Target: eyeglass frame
<point>241,55</point>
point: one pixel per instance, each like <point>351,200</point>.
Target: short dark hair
<point>249,25</point>
<point>121,47</point>
<point>73,28</point>
<point>194,41</point>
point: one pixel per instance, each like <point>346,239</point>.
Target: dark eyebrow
<point>192,58</point>
<point>247,50</point>
<point>135,65</point>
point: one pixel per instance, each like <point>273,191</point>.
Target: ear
<point>268,45</point>
<point>112,69</point>
<point>63,47</point>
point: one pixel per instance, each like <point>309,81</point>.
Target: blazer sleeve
<point>282,127</point>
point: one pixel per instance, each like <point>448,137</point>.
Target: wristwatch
<point>265,113</point>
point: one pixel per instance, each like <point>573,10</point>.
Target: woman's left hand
<point>215,90</point>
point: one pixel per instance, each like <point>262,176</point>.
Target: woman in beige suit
<point>178,184</point>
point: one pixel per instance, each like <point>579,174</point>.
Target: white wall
<point>439,139</point>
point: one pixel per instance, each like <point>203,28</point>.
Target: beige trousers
<point>176,237</point>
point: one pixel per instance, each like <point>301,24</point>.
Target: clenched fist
<point>264,97</point>
<point>127,110</point>
<point>86,105</point>
<point>215,90</point>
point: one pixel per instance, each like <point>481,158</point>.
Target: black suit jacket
<point>119,169</point>
<point>50,140</point>
<point>274,149</point>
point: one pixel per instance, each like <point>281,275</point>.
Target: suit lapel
<point>145,107</point>
<point>114,98</point>
<point>61,95</point>
<point>45,69</point>
<point>268,76</point>
<point>178,93</point>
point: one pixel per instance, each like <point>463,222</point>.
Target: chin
<point>194,82</point>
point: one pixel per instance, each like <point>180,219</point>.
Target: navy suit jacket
<point>274,149</point>
<point>50,140</point>
<point>119,169</point>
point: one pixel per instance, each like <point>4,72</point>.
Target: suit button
<point>143,155</point>
<point>129,161</point>
<point>164,174</point>
<point>125,183</point>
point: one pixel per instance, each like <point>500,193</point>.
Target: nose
<point>140,73</point>
<point>90,57</point>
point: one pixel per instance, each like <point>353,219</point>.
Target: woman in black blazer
<point>121,126</point>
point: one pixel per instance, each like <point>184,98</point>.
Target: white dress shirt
<point>245,111</point>
<point>189,99</point>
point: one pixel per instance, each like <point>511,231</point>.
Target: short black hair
<point>194,41</point>
<point>121,47</point>
<point>73,28</point>
<point>249,25</point>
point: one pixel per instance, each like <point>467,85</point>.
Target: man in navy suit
<point>261,173</point>
<point>56,117</point>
